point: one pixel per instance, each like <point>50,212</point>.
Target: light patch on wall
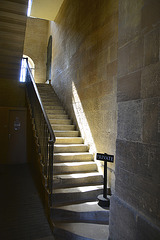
<point>81,118</point>
<point>83,123</point>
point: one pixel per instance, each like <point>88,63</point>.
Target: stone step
<point>81,231</point>
<point>56,111</point>
<point>43,86</point>
<point>68,196</point>
<point>69,140</point>
<point>48,97</point>
<point>89,212</point>
<point>61,121</point>
<point>46,91</point>
<point>74,167</point>
<point>51,103</point>
<point>51,108</point>
<point>77,179</point>
<point>66,133</point>
<point>58,148</point>
<point>57,116</point>
<point>62,127</point>
<point>71,157</point>
<point>47,94</point>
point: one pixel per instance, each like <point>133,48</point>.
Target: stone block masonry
<point>84,70</point>
<point>135,212</point>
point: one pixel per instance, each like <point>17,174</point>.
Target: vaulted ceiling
<point>45,9</point>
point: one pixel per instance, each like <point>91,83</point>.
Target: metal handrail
<point>44,129</point>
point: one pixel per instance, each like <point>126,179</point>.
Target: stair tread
<point>60,115</point>
<point>78,189</point>
<point>71,145</point>
<point>71,157</point>
<point>59,127</point>
<point>88,212</point>
<point>54,124</point>
<point>70,148</point>
<point>77,179</point>
<point>72,154</point>
<point>83,207</point>
<point>69,138</point>
<point>88,231</point>
<point>61,121</point>
<point>66,131</point>
<point>78,175</point>
<point>69,164</point>
<point>53,107</point>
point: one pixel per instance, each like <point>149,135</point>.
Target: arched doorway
<point>49,59</point>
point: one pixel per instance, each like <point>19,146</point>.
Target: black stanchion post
<point>105,181</point>
<point>103,200</point>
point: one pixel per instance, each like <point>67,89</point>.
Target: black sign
<point>105,157</point>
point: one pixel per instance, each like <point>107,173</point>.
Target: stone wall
<point>12,93</point>
<point>12,32</point>
<point>84,70</point>
<point>35,46</point>
<point>135,207</point>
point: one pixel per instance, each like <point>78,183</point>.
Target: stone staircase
<point>77,182</point>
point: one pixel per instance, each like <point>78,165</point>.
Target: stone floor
<point>22,215</point>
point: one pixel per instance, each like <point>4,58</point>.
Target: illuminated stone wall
<point>84,69</point>
<point>35,46</point>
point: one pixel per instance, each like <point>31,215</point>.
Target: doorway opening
<point>31,64</point>
<point>49,59</point>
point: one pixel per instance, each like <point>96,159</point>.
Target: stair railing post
<point>50,173</point>
<point>43,129</point>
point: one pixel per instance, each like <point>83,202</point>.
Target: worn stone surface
<point>147,231</point>
<point>128,54</point>
<point>137,177</point>
<point>127,159</point>
<point>150,14</point>
<point>121,219</point>
<point>129,20</point>
<point>130,120</point>
<point>150,81</point>
<point>132,225</point>
<point>151,47</point>
<point>129,87</point>
<point>148,161</point>
<point>150,120</point>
